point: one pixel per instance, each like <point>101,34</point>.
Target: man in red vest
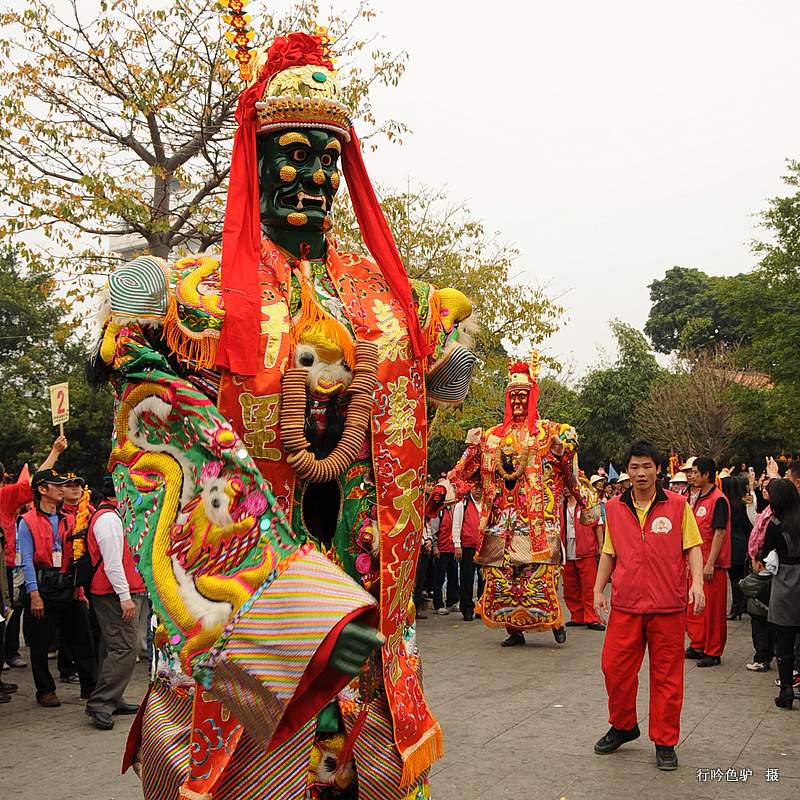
<point>581,543</point>
<point>444,565</point>
<point>51,597</point>
<point>466,540</point>
<point>708,631</point>
<point>118,595</point>
<point>650,535</point>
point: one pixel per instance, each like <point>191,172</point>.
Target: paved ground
<point>518,723</point>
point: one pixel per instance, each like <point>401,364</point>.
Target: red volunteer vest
<point>585,537</point>
<point>42,531</point>
<point>704,514</point>
<point>445,538</point>
<point>100,582</point>
<point>470,528</point>
<point>650,571</point>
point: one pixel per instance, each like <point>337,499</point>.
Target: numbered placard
<point>59,403</point>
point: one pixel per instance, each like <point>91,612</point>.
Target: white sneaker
<point>757,666</point>
<point>442,612</point>
<point>453,607</point>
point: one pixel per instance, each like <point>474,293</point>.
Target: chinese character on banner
<point>772,775</point>
<point>716,774</point>
<point>745,774</point>
<point>703,775</point>
<point>732,775</point>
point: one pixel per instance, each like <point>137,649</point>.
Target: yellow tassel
<point>314,317</point>
<point>200,349</point>
<point>432,749</point>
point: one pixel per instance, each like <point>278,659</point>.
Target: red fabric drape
<point>241,244</point>
<point>379,240</point>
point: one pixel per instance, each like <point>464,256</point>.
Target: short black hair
<point>642,448</point>
<point>794,468</point>
<point>706,466</point>
<point>107,488</point>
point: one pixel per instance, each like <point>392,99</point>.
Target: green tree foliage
<point>611,394</point>
<point>37,349</point>
<point>691,310</point>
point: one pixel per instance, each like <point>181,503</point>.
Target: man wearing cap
<point>708,631</point>
<point>688,471</point>
<point>51,600</point>
<point>598,483</point>
<point>444,554</point>
<point>678,483</point>
<point>118,596</point>
<point>623,483</point>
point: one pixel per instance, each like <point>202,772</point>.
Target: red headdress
<point>295,87</point>
<point>523,377</point>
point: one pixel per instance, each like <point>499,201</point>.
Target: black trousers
<point>445,566</point>
<point>785,641</point>
<point>763,639</point>
<point>467,568</point>
<point>738,600</point>
<point>72,619</point>
<point>419,580</point>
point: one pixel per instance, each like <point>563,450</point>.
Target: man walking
<point>708,631</point>
<point>650,535</point>
<point>118,596</point>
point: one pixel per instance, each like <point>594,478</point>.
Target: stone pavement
<point>519,724</point>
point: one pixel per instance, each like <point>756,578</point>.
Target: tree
<point>442,243</point>
<point>610,395</point>
<point>691,310</point>
<point>122,124</point>
<point>690,407</point>
<point>38,349</point>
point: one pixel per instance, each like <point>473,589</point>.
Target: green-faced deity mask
<point>298,173</point>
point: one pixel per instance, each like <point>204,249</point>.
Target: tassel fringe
<point>432,749</point>
<point>200,349</point>
<point>313,317</point>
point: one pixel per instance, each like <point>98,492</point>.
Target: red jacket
<point>650,571</point>
<point>445,535</point>
<point>470,527</point>
<point>12,498</point>
<point>100,582</point>
<point>42,532</point>
<point>585,537</point>
<point>704,514</point>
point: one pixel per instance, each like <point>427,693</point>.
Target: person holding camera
<point>51,600</point>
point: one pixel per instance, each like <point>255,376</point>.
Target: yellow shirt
<point>690,533</point>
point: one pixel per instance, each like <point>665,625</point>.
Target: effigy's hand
<point>474,436</point>
<point>354,646</point>
<point>556,445</point>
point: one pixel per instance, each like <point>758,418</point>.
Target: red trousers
<point>579,577</point>
<point>708,630</point>
<point>623,651</point>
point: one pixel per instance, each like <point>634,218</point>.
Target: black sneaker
<point>709,661</point>
<point>560,634</point>
<point>666,758</point>
<point>614,739</point>
<point>595,626</point>
<point>693,654</point>
<point>513,640</point>
<point>572,624</point>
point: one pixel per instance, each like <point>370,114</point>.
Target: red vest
<point>445,537</point>
<point>470,528</point>
<point>100,582</point>
<point>42,531</point>
<point>585,537</point>
<point>704,514</point>
<point>650,568</point>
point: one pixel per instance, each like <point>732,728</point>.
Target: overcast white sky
<point>606,140</point>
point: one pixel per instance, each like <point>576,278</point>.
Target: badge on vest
<point>702,511</point>
<point>661,525</point>
<point>57,559</point>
